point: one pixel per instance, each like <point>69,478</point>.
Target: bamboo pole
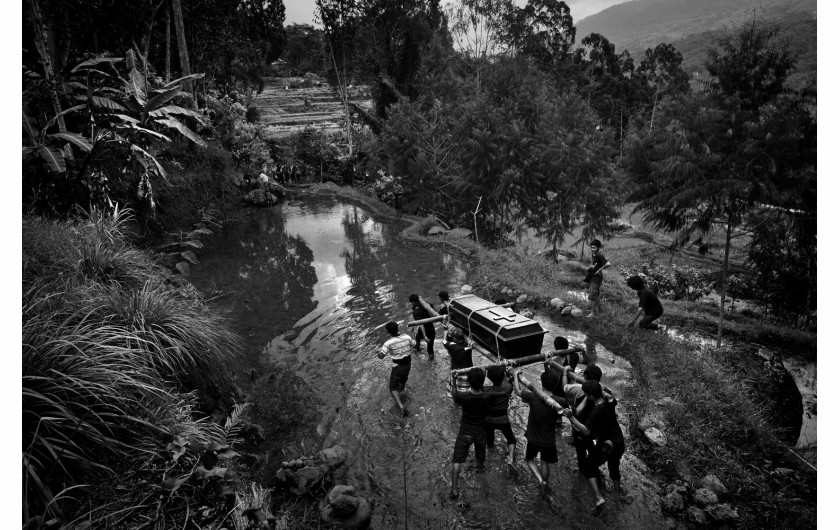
<point>383,325</point>
<point>542,395</point>
<point>522,361</point>
<point>425,321</point>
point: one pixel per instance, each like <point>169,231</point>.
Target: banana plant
<point>52,147</point>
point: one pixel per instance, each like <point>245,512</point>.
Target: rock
<point>527,313</point>
<point>566,311</point>
<point>521,298</point>
<point>673,502</point>
<point>722,513</point>
<point>296,463</point>
<point>343,509</point>
<point>576,312</point>
<point>650,420</point>
<point>557,303</point>
<point>334,456</point>
<point>466,288</point>
<point>436,230</point>
<point>696,515</point>
<point>462,233</point>
<point>656,437</point>
<point>264,178</point>
<point>712,483</point>
<point>286,477</point>
<point>308,477</point>
<point>343,501</point>
<point>705,497</point>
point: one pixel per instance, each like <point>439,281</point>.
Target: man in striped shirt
<point>398,347</point>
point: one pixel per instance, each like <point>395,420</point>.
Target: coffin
<point>500,330</point>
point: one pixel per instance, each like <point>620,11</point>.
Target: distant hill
<point>692,25</point>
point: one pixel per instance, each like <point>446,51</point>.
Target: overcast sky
<point>300,11</point>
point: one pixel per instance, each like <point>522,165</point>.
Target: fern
<point>233,424</point>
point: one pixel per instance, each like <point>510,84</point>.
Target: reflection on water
<point>305,283</point>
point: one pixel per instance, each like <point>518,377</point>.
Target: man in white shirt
<point>398,348</point>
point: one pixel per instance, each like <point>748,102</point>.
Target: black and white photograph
<point>421,264</point>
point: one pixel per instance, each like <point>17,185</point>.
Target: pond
<point>305,284</point>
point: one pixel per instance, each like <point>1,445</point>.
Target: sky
<point>300,11</point>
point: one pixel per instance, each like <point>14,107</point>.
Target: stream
<point>305,283</point>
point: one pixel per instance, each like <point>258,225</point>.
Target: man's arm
<point>382,351</point>
<point>517,386</point>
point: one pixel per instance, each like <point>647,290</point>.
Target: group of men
<point>589,406</point>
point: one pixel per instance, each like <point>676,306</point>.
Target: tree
<point>661,73</point>
<point>708,164</point>
<point>543,30</point>
<point>180,37</point>
<point>478,28</point>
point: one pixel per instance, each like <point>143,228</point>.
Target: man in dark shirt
<point>473,410</point>
<point>460,356</point>
<point>599,263</point>
<point>498,400</point>
<point>649,304</point>
<point>420,309</point>
<point>444,303</point>
<point>542,420</point>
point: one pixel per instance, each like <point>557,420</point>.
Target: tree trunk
<point>653,111</point>
<point>41,43</point>
<point>168,37</point>
<point>342,92</point>
<point>181,37</point>
<point>724,276</point>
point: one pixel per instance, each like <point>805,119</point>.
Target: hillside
<point>691,25</point>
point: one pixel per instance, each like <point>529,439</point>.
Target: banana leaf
<point>170,110</point>
<point>182,79</point>
<point>183,129</point>
<point>105,103</point>
<point>95,62</point>
<point>162,98</point>
<point>54,158</point>
<point>76,139</point>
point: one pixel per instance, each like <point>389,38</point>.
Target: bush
<point>108,346</point>
<point>676,283</point>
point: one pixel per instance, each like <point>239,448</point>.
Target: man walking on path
<point>649,304</point>
<point>420,310</point>
<point>599,263</point>
<point>542,420</point>
<point>471,432</point>
<point>398,348</point>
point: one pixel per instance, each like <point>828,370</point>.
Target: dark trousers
<point>647,322</point>
<point>430,343</point>
<point>598,455</point>
<point>506,429</point>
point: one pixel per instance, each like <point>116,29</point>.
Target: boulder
<point>521,298</point>
<point>334,456</point>
<point>566,311</point>
<point>705,497</point>
<point>678,487</point>
<point>466,289</point>
<point>722,513</point>
<point>712,483</point>
<point>557,303</point>
<point>308,477</point>
<point>576,312</point>
<point>436,231</point>
<point>343,501</point>
<point>673,502</point>
<point>527,313</point>
<point>656,437</point>
<point>336,509</point>
<point>696,515</point>
<point>286,477</point>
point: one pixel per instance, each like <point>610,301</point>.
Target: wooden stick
<point>542,395</point>
<point>522,361</point>
<point>425,321</point>
<point>383,325</point>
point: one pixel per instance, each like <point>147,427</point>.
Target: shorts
<point>594,291</point>
<point>548,454</point>
<point>467,437</point>
<point>506,429</point>
<point>399,377</point>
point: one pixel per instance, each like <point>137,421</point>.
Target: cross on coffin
<point>499,316</point>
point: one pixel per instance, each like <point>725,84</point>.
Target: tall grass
<point>109,347</point>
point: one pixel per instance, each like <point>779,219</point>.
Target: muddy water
<point>305,283</point>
